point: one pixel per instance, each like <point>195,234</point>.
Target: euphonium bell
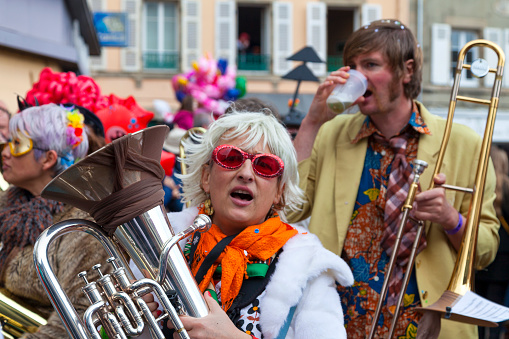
<point>120,187</point>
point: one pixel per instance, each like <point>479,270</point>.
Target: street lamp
<point>300,73</point>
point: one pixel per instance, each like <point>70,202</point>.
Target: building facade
<point>446,27</point>
<point>167,36</point>
<point>164,38</point>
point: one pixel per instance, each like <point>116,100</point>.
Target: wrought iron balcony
<point>253,62</point>
<point>160,60</point>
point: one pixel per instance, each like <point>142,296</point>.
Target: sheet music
<point>475,306</point>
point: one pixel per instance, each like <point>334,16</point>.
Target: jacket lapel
<point>349,164</point>
<point>429,147</point>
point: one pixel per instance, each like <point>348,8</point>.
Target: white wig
<point>47,125</point>
<point>255,126</point>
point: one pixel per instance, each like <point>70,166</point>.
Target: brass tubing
<point>418,169</point>
<point>473,100</point>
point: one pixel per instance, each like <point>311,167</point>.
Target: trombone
<point>461,280</point>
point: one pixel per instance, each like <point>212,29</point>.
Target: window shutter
<point>191,32</point>
<point>225,44</point>
<point>495,35</point>
<point>370,13</point>
<point>441,54</point>
<point>98,63</point>
<point>130,56</point>
<point>283,36</point>
<point>316,32</point>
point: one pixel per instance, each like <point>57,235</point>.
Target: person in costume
<point>44,141</point>
<point>257,272</point>
<point>355,170</point>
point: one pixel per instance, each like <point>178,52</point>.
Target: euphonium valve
<point>111,304</point>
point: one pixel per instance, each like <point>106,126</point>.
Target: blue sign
<point>111,29</point>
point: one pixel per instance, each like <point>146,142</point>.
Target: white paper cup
<point>344,95</point>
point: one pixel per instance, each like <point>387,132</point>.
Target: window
<point>252,41</point>
<point>458,39</point>
<point>340,25</point>
<point>160,43</point>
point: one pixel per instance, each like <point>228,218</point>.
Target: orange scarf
<point>258,242</point>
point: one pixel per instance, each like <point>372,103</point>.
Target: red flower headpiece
<point>66,87</point>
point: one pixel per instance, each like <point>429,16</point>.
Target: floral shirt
<point>362,250</point>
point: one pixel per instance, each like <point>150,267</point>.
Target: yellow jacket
<point>330,179</point>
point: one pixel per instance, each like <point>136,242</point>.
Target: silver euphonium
<point>144,233</point>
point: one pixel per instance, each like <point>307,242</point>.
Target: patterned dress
<point>362,250</point>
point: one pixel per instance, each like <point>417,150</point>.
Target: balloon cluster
<point>66,87</point>
<point>211,83</point>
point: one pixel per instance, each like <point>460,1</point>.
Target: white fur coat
<point>305,275</point>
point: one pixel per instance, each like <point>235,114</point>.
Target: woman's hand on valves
<point>152,304</point>
<point>215,325</point>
